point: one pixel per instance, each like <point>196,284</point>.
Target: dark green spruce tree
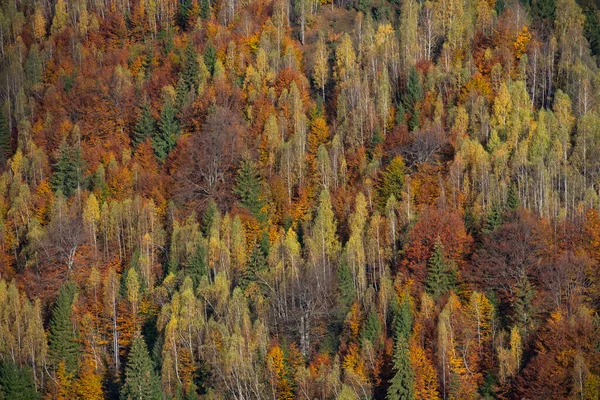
<point>141,381</point>
<point>256,263</point>
<point>403,318</point>
<point>400,113</point>
<point>189,77</point>
<point>512,198</point>
<point>210,58</point>
<point>248,187</point>
<point>62,337</point>
<point>493,220</point>
<point>412,97</point>
<point>440,273</point>
<point>264,243</point>
<point>524,294</point>
<point>16,383</point>
<point>209,217</point>
<point>543,11</point>
<point>371,329</point>
<point>5,148</point>
<point>347,291</point>
<point>183,14</point>
<point>181,94</point>
<point>68,169</point>
<point>204,9</point>
<point>592,30</point>
<point>402,384</point>
<point>197,265</point>
<point>33,67</point>
<point>168,130</point>
<point>190,71</point>
<point>146,125</point>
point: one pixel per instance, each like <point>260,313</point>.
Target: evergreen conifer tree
<point>33,67</point>
<point>61,168</point>
<point>181,94</point>
<point>141,381</point>
<point>264,243</point>
<point>345,286</point>
<point>5,148</point>
<point>210,58</point>
<point>440,274</point>
<point>190,72</point>
<point>512,199</point>
<point>168,130</point>
<point>63,341</point>
<point>146,125</point>
<point>413,95</point>
<point>403,319</point>
<point>592,29</point>
<point>414,90</point>
<point>400,113</point>
<point>16,383</point>
<point>209,216</point>
<point>371,328</point>
<point>543,11</point>
<point>204,9</point>
<point>248,187</point>
<point>197,265</point>
<point>185,6</point>
<point>68,169</point>
<point>402,384</point>
<point>493,220</point>
<point>257,262</point>
<point>414,122</point>
<point>522,305</point>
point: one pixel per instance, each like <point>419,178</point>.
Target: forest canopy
<point>299,199</point>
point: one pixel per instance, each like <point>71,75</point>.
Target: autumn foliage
<point>277,199</point>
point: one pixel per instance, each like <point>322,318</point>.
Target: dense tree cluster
<point>316,199</point>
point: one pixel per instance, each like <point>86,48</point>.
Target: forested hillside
<point>299,199</point>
